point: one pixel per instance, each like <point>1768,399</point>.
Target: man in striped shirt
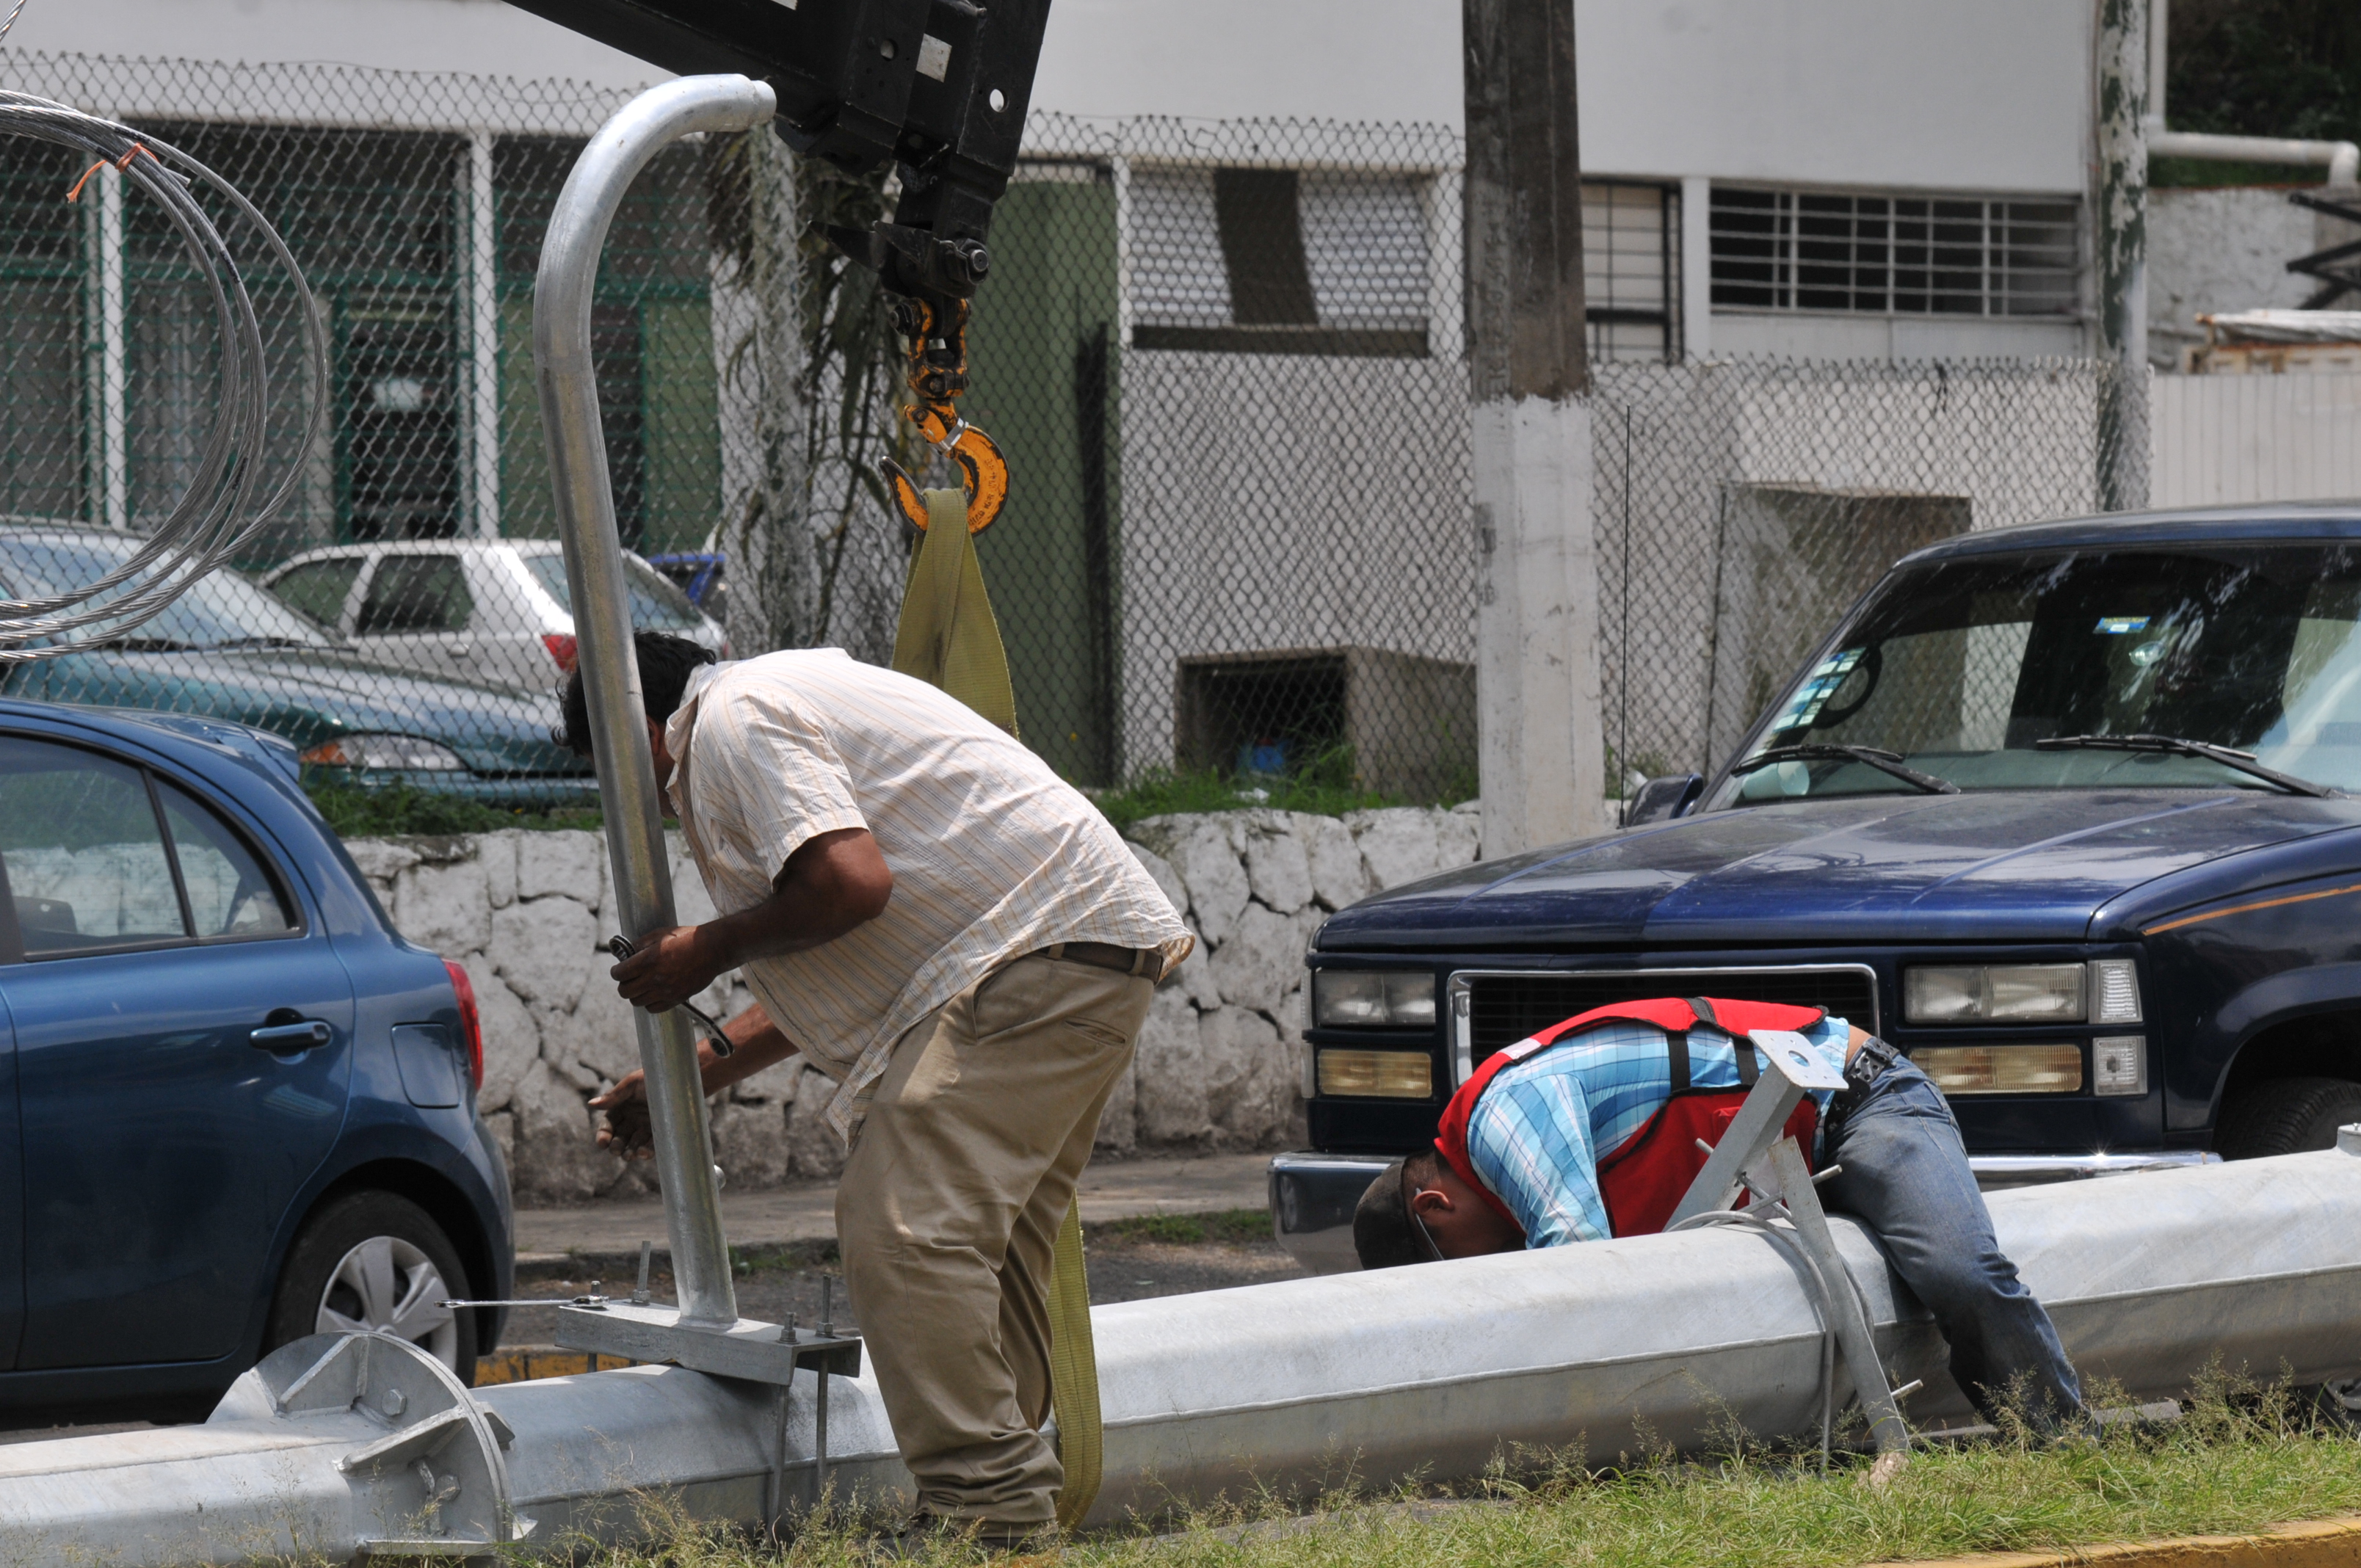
<point>1537,1132</point>
<point>962,943</point>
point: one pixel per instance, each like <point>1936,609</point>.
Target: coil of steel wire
<point>231,494</point>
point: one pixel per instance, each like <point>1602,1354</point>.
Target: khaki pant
<point>947,1212</point>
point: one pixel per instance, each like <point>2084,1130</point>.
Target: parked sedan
<point>239,1107</point>
<point>494,610</point>
<point>228,650</point>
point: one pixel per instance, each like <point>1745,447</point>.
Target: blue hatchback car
<point>235,1106</point>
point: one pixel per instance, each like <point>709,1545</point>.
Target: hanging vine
<point>819,362</point>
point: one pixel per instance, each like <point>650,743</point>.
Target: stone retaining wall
<point>1219,1064</point>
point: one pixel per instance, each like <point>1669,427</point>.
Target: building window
<point>1630,270</point>
<point>1288,261</point>
<point>1955,256</point>
<point>1278,261</point>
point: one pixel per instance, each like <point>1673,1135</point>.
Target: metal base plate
<point>757,1352</point>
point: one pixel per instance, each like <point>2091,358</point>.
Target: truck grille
<point>1505,1008</point>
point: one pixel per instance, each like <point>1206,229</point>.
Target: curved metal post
<point>594,570</point>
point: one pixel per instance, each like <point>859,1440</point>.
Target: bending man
<point>962,942</point>
<point>1589,1130</point>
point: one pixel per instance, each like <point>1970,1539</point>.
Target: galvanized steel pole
<point>603,628</point>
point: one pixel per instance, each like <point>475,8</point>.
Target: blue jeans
<point>1906,1176</point>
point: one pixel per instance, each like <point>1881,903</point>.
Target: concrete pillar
<point>2120,254</point>
<point>1542,757</point>
<point>1697,267</point>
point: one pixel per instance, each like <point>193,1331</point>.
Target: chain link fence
<point>1741,508</point>
<point>1226,361</point>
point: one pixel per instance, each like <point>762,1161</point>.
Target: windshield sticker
<point>2121,625</point>
<point>1814,694</point>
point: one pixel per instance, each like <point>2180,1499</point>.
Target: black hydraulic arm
<point>938,86</point>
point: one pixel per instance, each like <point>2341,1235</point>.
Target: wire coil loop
<point>230,496</point>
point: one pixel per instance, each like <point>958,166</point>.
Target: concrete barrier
<point>1432,1372</point>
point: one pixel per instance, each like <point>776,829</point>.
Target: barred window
<point>1287,261</point>
<point>1959,256</point>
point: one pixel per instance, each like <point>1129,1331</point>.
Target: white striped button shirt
<point>993,856</point>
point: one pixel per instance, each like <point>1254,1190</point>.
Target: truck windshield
<point>1959,668</point>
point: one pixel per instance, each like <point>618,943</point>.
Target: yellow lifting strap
<point>948,637</point>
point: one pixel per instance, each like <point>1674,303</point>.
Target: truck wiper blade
<point>1826,752</point>
<point>2173,745</point>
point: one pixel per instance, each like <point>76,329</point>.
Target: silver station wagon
<point>493,611</point>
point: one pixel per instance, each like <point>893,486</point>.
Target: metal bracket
<point>1755,1154</point>
<point>749,1350</point>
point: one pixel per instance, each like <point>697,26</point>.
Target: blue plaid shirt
<point>1541,1125</point>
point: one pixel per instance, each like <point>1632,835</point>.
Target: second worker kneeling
<point>1588,1130</point>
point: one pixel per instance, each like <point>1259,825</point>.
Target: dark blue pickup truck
<point>2061,810</point>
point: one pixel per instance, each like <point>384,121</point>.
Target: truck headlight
<point>1397,999</point>
<point>1994,993</point>
<point>2001,1069</point>
<point>1384,1075</point>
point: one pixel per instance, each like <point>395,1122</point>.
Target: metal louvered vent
<point>1501,1008</point>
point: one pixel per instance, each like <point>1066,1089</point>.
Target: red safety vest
<point>1643,1179</point>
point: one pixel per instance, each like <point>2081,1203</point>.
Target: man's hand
<point>628,1132</point>
<point>757,1043</point>
<point>671,966</point>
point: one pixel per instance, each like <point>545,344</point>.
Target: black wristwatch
<point>1874,1058</point>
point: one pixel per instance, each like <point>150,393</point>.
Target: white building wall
<point>1992,96</point>
<point>1866,93</point>
<point>2226,439</point>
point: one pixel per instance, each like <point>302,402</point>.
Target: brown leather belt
<point>1142,961</point>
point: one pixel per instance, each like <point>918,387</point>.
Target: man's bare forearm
<point>836,882</point>
<point>755,1043</point>
<point>833,883</point>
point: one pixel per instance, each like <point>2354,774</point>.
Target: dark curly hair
<point>664,666</point>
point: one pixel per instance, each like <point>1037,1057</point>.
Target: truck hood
<point>2000,866</point>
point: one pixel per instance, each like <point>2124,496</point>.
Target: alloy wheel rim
<point>386,1285</point>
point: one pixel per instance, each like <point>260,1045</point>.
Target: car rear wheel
<point>376,1262</point>
<point>2287,1115</point>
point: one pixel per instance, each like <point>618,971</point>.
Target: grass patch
<point>1322,787</point>
<point>353,812</point>
<point>1231,1225</point>
<point>2241,1460</point>
<point>783,1257</point>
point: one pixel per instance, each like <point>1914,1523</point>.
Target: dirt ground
<point>1129,1261</point>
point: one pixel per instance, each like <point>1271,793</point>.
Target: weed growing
<point>1325,786</point>
<point>396,810</point>
<point>1233,1227</point>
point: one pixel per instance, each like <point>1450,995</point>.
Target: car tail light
<point>561,648</point>
<point>471,1024</point>
<point>401,754</point>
